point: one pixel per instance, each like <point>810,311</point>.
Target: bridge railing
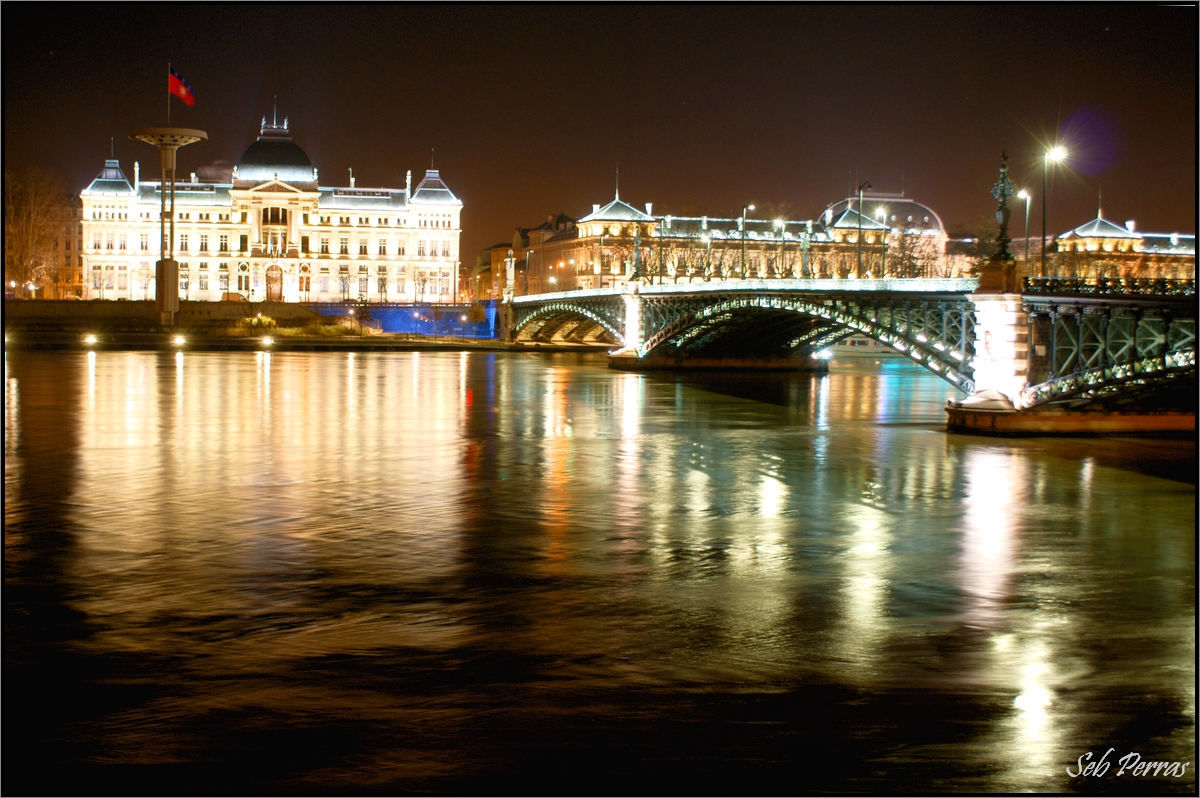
<point>1110,286</point>
<point>954,285</point>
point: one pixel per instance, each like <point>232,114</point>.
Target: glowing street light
<point>1024,195</point>
<point>866,185</point>
<point>178,340</point>
<point>1058,153</point>
<point>881,212</point>
<point>745,208</point>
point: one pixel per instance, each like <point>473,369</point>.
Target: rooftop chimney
<point>1131,226</point>
<point>649,208</point>
<point>137,175</point>
<point>595,207</point>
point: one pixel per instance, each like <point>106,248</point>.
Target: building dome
<point>272,155</point>
<point>897,211</point>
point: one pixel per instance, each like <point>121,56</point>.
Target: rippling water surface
<point>436,571</point>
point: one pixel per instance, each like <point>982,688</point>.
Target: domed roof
<point>273,155</point>
<point>899,212</point>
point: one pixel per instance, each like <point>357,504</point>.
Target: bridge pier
<point>1001,359</point>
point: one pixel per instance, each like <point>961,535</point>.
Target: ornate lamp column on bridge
<point>1001,324</point>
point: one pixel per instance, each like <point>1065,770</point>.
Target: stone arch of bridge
<point>829,324</point>
<point>568,309</point>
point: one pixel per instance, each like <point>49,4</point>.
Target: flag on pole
<point>180,88</point>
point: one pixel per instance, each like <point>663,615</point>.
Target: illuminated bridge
<point>1060,340</point>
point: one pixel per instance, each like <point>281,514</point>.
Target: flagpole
<point>168,94</point>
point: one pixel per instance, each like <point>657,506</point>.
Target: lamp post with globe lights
<point>1056,154</point>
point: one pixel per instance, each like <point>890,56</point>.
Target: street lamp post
<point>882,214</point>
<point>782,225</point>
<point>858,241</point>
<point>168,140</point>
<point>744,209</point>
<point>1055,154</point>
<point>1024,195</point>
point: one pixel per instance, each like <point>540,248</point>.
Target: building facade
<point>876,235</point>
<point>273,233</point>
<point>892,236</point>
<point>1099,248</point>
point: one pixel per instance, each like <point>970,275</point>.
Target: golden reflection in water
<point>557,461</point>
<point>285,482</point>
<point>291,506</point>
<point>12,463</point>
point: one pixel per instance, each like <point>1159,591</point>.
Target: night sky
<point>530,109</point>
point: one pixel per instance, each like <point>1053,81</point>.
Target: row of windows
<point>423,247</point>
<point>274,216</point>
<point>279,216</point>
<point>275,243</point>
<point>432,284</point>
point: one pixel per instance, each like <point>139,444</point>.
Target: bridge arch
<point>552,310</point>
<point>936,334</point>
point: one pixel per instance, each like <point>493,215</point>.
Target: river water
<point>486,572</point>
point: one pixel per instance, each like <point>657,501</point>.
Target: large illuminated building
<point>875,235</point>
<point>616,242</point>
<point>273,233</point>
<point>1099,248</point>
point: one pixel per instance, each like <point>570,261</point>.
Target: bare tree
<point>35,210</point>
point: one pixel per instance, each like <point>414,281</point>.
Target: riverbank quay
<point>1016,423</point>
<point>184,340</point>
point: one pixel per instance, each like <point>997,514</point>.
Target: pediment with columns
<point>276,186</point>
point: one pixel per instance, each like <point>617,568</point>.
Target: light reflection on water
<point>493,535</point>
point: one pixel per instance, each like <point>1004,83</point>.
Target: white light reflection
<point>772,497</point>
<point>868,565</point>
<point>823,403</point>
<point>631,404</point>
<point>995,495</point>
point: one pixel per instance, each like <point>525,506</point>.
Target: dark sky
<point>531,108</point>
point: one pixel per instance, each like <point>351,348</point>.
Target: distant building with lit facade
<point>273,233</point>
<point>1099,248</point>
<point>900,237</point>
<point>617,241</point>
